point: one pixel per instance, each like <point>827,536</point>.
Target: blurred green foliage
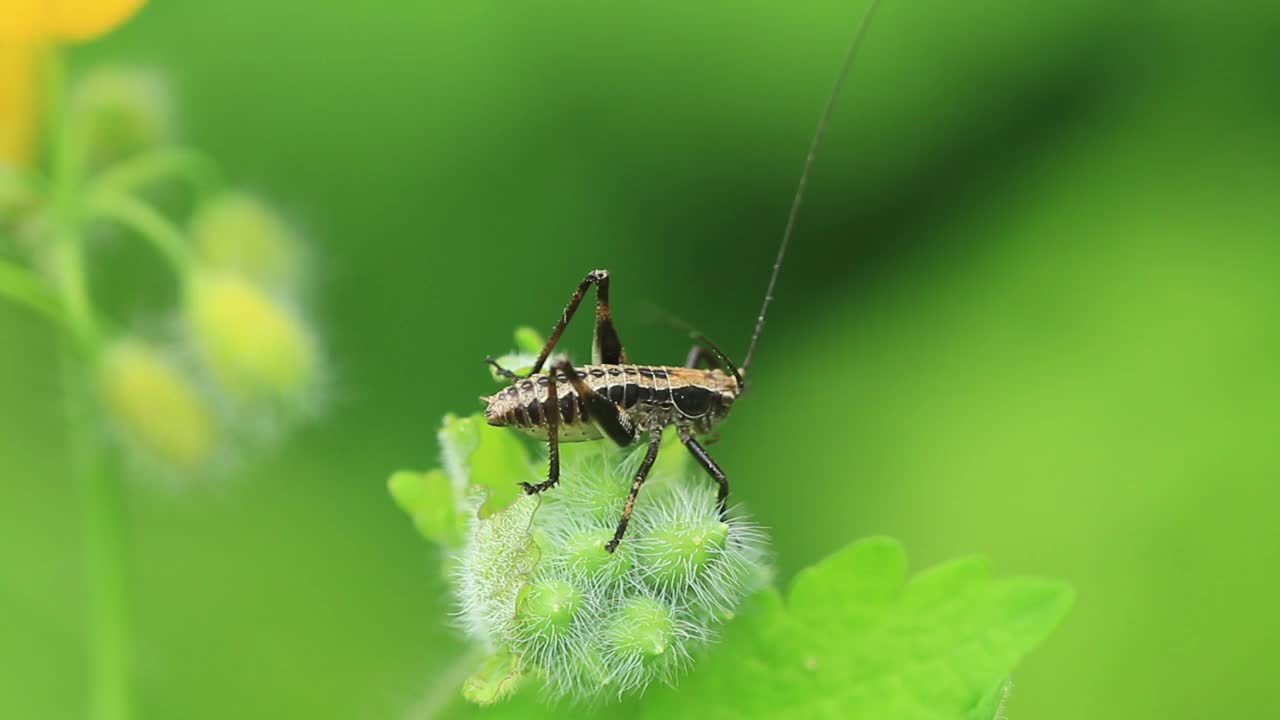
<point>1030,313</point>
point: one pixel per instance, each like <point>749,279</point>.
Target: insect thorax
<point>651,396</point>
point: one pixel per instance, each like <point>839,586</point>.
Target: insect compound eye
<point>692,401</point>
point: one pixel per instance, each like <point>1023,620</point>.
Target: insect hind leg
<point>642,474</point>
<point>607,346</point>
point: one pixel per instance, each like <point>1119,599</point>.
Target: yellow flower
<point>68,20</point>
<point>18,100</point>
<point>27,28</point>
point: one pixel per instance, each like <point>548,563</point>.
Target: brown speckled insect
<point>619,400</point>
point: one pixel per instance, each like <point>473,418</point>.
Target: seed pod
<point>644,625</point>
<point>584,551</point>
<point>677,553</point>
<point>548,606</point>
<point>156,409</point>
<point>255,347</point>
<point>240,233</point>
<point>119,110</point>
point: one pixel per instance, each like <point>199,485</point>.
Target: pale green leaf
<point>855,642</point>
<point>529,340</point>
<point>497,677</point>
<point>498,465</point>
<point>476,455</point>
<point>428,498</point>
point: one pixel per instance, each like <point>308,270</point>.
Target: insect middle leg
<point>722,496</point>
<point>610,418</point>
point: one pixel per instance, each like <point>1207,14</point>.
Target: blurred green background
<point>1032,312</point>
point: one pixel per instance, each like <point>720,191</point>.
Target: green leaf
<point>474,455</point>
<point>458,437</point>
<point>428,498</point>
<point>498,465</point>
<point>992,705</point>
<point>529,340</point>
<point>478,455</point>
<point>497,678</point>
<point>855,642</point>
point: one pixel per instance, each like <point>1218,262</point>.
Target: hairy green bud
<point>549,605</point>
<point>643,625</point>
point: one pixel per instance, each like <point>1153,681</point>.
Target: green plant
<point>688,594</point>
<point>233,352</point>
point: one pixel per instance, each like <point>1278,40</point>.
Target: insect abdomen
<point>523,405</point>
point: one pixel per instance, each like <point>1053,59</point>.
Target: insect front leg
<point>686,437</point>
<point>551,412</point>
<point>611,419</point>
<point>501,370</point>
<point>655,439</point>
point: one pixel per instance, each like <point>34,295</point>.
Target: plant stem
<point>21,286</point>
<point>101,492</point>
<point>161,163</point>
<point>102,509</point>
<point>155,228</point>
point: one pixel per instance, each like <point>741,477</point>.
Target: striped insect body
<point>652,396</point>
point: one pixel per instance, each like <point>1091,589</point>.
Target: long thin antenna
<point>804,174</point>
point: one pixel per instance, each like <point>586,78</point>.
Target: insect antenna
<point>825,120</point>
<point>721,356</point>
<point>697,336</point>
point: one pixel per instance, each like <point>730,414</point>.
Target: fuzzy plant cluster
<point>536,588</point>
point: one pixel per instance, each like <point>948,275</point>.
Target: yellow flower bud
<point>155,407</point>
<point>255,347</point>
<point>239,232</point>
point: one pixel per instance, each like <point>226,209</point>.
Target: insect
<point>616,399</point>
